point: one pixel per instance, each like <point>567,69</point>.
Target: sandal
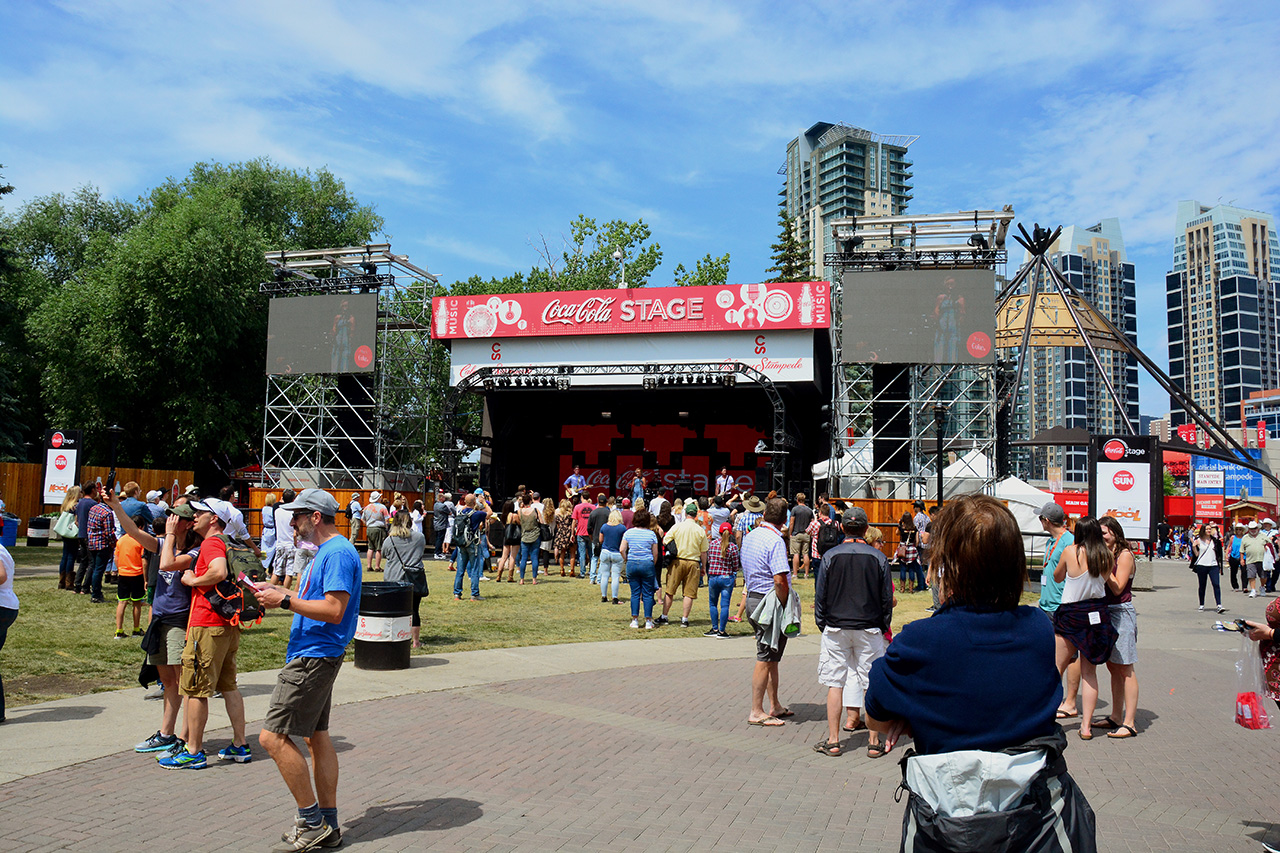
<point>785,712</point>
<point>1122,728</point>
<point>1104,723</point>
<point>828,748</point>
<point>875,750</point>
<point>1086,735</point>
<point>767,722</point>
<point>1063,715</point>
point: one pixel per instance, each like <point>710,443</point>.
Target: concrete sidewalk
<point>631,746</point>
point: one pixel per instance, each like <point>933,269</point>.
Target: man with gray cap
<point>324,610</point>
<point>1054,521</point>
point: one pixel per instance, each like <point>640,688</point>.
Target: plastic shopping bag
<point>1250,712</point>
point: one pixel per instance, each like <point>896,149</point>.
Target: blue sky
<point>477,129</point>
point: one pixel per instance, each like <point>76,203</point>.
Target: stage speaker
<point>891,387</point>
<point>355,412</point>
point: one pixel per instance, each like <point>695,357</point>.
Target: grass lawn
<point>61,645</point>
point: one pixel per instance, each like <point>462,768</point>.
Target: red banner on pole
<point>1262,433</point>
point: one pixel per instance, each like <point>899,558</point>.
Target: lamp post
<point>622,269</point>
<point>115,431</point>
<point>939,421</point>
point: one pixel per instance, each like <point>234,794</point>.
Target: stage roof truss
<point>967,239</point>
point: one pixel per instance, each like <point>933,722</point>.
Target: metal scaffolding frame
<point>653,375</point>
<point>369,431</point>
<point>954,405</point>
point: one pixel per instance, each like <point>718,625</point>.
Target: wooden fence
<point>22,489</point>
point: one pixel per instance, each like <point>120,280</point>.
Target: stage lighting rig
<point>971,239</point>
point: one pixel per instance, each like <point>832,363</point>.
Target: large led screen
<point>919,316</point>
<point>322,334</point>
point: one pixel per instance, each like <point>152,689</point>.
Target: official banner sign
<point>61,463</point>
<point>1123,475</point>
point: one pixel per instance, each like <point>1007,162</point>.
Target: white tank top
<point>1083,588</point>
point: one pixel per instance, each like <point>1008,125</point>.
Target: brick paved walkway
<point>658,757</point>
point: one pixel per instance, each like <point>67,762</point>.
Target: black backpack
<point>229,598</point>
<point>464,535</point>
<point>829,536</point>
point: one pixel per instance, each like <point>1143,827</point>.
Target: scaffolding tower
<point>354,430</point>
<point>892,425</point>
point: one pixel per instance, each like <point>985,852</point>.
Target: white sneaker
<point>648,625</point>
<point>1201,608</point>
<point>635,623</point>
<point>1253,593</point>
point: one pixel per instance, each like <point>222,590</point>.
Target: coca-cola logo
<point>57,440</point>
<point>363,356</point>
<point>596,309</point>
<point>60,462</point>
<point>466,370</point>
<point>1114,449</point>
<point>979,344</point>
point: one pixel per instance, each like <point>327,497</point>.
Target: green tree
<point>790,254</point>
<point>1170,487</point>
<point>164,331</point>
<point>706,271</point>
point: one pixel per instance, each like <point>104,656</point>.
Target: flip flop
<point>786,712</point>
<point>859,727</point>
<point>1104,723</point>
<point>1122,728</point>
<point>1084,736</point>
<point>828,748</point>
<point>1063,715</point>
<point>875,750</point>
<point>767,722</point>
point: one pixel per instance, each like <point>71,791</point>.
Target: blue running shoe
<point>238,754</point>
<point>157,743</point>
<point>184,761</point>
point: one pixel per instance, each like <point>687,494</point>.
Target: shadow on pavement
<point>1268,833</point>
<point>424,661</point>
<point>54,715</point>
<point>412,816</point>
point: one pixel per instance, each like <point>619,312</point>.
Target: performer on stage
<point>575,483</point>
<point>724,482</point>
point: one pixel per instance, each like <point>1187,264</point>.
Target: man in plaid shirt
<point>101,542</point>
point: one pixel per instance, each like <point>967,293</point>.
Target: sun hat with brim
<point>315,500</point>
<point>1253,525</point>
<point>753,504</point>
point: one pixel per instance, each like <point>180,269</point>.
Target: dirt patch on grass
<point>44,688</point>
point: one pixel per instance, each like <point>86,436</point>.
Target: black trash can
<point>383,629</point>
<point>38,531</point>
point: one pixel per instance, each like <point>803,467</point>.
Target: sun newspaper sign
<point>644,310</point>
<point>61,463</point>
<point>1123,471</point>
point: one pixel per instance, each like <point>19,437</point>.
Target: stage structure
<point>914,374</point>
<point>348,356</point>
<point>1041,308</point>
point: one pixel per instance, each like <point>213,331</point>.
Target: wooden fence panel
<point>22,488</point>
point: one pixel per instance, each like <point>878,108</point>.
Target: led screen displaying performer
<point>322,334</point>
<point>919,316</point>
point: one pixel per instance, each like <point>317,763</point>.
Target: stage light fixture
<point>562,383</point>
<point>649,383</point>
<point>488,385</point>
<point>730,380</point>
<point>977,241</point>
<point>369,267</point>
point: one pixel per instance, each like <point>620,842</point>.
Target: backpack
<point>829,536</point>
<point>464,535</point>
<point>229,598</point>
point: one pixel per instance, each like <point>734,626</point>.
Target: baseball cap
<point>725,527</point>
<point>183,511</point>
<point>1053,513</point>
<point>626,501</point>
<point>690,508</point>
<point>153,495</point>
<point>316,500</point>
<point>221,509</point>
<point>856,514</point>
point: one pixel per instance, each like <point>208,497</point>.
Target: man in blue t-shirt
<point>1053,519</point>
<point>324,621</point>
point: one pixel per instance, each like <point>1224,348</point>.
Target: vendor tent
<point>1024,501</point>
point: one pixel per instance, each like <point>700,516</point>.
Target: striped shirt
<point>764,555</point>
<point>723,564</point>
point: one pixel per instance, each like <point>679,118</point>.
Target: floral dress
<point>564,532</point>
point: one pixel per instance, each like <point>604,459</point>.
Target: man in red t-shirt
<point>581,511</point>
<point>209,657</point>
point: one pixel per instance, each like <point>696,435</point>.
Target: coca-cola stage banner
<point>1124,478</point>
<point>785,356</point>
<point>642,310</point>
